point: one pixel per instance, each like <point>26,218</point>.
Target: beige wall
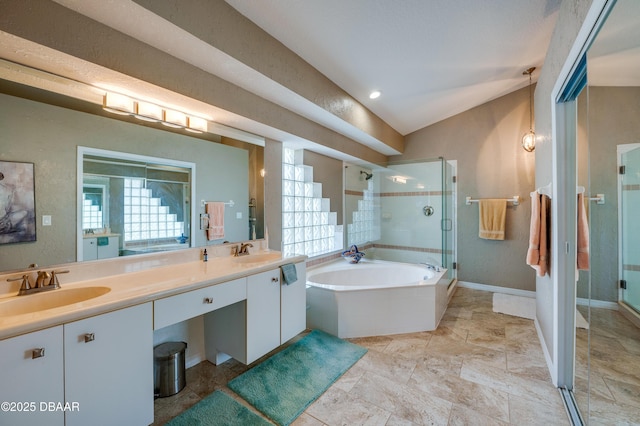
<point>327,171</point>
<point>491,164</point>
<point>273,193</point>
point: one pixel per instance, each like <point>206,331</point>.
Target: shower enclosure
<point>629,227</point>
<point>403,212</point>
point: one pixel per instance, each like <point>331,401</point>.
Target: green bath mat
<point>285,384</point>
<point>218,409</point>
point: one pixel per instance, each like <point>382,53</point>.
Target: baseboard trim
<point>597,303</point>
<point>497,289</point>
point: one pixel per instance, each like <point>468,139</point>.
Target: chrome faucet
<point>434,268</point>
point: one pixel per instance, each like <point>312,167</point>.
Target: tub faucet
<point>434,268</point>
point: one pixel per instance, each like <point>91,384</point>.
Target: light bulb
<point>529,141</point>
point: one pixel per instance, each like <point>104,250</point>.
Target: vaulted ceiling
<point>430,59</point>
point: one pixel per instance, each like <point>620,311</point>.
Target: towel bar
<point>230,203</point>
<point>515,200</point>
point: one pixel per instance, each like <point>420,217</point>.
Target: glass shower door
<point>448,217</point>
<point>629,191</point>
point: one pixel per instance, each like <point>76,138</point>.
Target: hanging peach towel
<point>492,214</point>
<point>538,252</point>
<point>583,235</point>
<point>215,210</point>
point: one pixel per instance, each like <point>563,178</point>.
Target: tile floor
<point>614,378</point>
<point>477,368</point>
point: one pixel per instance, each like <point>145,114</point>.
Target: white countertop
<point>133,288</point>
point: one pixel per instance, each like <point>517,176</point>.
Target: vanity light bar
<point>118,104</point>
<point>174,118</point>
<point>196,125</point>
<point>147,111</point>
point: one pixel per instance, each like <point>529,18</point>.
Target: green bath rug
<point>218,409</point>
<point>283,386</point>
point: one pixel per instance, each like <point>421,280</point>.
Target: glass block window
<point>308,225</point>
<point>91,213</point>
<point>144,216</point>
<point>365,224</point>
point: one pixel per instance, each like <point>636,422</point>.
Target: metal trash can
<point>168,366</point>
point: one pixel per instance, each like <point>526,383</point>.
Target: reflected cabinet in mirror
<point>98,181</point>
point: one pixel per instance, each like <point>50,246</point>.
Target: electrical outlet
<point>238,215</point>
<point>46,220</point>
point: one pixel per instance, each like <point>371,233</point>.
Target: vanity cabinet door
<point>31,377</point>
<point>293,301</point>
<point>108,361</point>
<point>89,248</point>
<point>263,313</point>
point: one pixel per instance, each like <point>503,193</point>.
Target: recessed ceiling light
<point>375,94</point>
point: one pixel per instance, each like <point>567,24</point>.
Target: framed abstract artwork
<point>17,202</point>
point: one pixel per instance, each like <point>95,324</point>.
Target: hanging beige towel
<point>583,235</point>
<point>533,253</point>
<point>492,214</point>
<point>215,210</point>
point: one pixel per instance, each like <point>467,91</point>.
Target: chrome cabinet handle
<point>37,353</point>
<point>208,300</point>
<point>89,337</point>
<point>275,279</point>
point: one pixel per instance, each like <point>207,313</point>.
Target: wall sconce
<point>263,172</point>
<point>529,138</point>
<point>147,111</point>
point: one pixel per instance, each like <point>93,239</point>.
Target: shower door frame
<point>630,312</point>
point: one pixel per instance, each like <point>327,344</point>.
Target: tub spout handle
<point>431,267</point>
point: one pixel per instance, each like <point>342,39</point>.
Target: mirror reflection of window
<point>133,204</point>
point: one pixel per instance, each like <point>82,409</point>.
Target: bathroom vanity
<point>100,246</point>
<point>91,362</point>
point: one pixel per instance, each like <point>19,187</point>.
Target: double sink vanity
<point>83,354</point>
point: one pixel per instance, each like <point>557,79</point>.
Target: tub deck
<point>375,298</point>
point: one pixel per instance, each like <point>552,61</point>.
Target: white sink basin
<point>19,305</point>
<point>257,258</point>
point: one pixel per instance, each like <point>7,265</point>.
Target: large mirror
<point>183,171</point>
<point>132,204</point>
<point>607,378</point>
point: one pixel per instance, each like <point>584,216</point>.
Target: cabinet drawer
<point>175,309</point>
